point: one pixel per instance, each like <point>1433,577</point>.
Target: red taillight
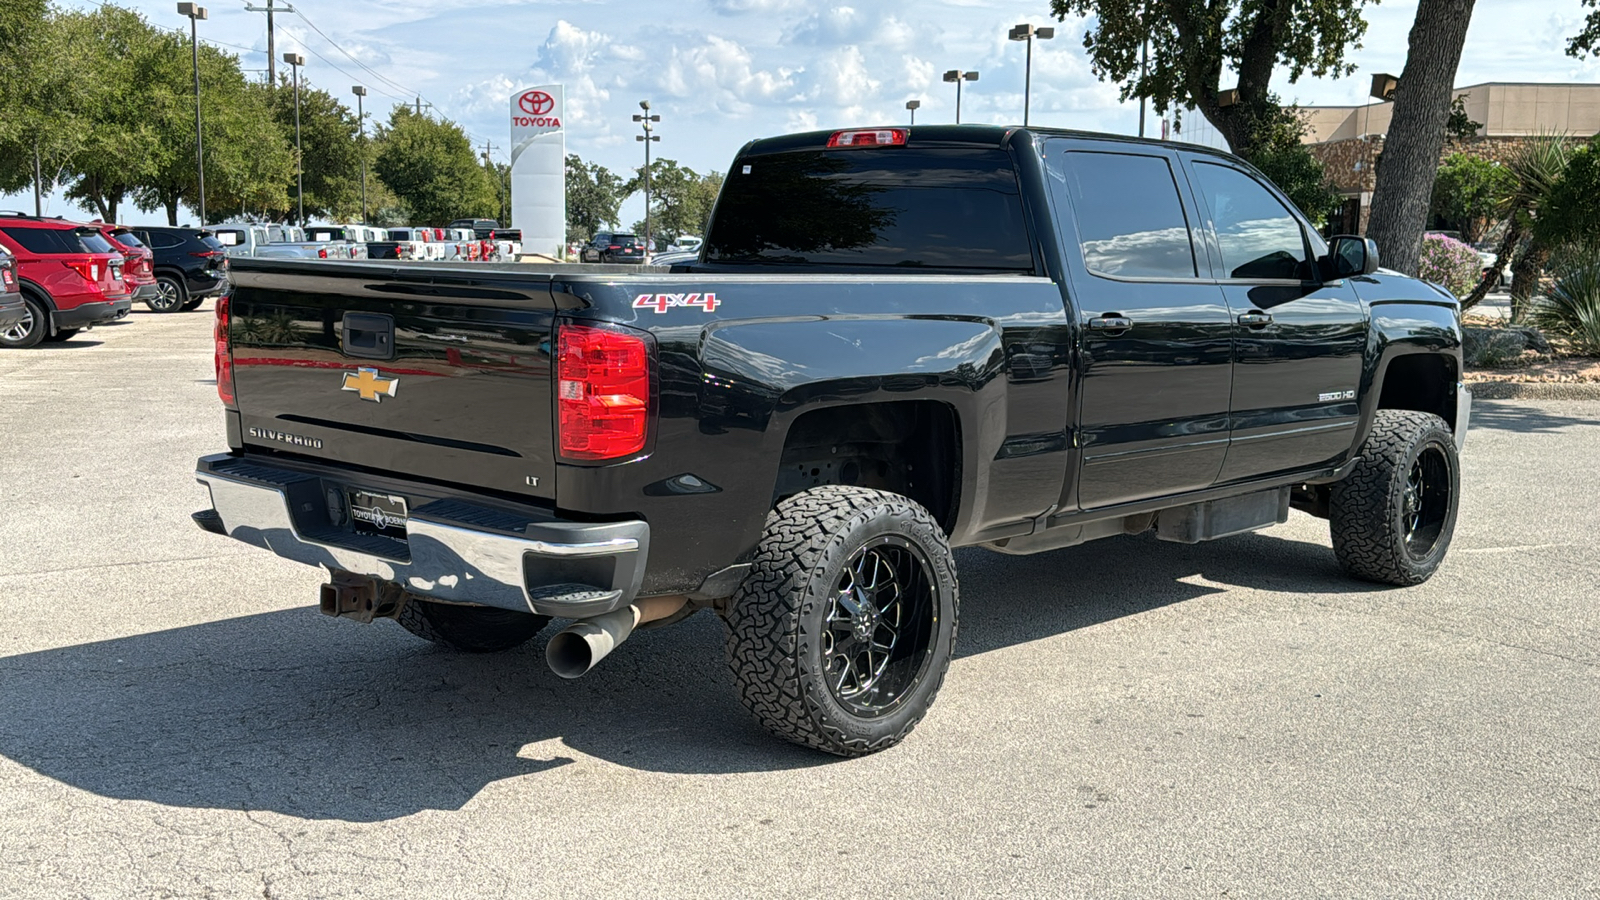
<point>206,253</point>
<point>322,254</point>
<point>614,247</point>
<point>7,277</point>
<point>875,137</point>
<point>89,269</point>
<point>224,354</point>
<point>602,392</point>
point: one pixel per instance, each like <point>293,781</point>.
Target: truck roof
<point>951,135</point>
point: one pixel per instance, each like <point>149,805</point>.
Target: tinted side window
<point>45,240</point>
<point>160,240</point>
<point>1257,234</point>
<point>1130,218</point>
<point>128,239</point>
<point>95,243</point>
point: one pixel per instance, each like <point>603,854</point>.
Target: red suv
<point>71,278</point>
<point>139,270</point>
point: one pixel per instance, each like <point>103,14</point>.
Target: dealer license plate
<point>377,513</point>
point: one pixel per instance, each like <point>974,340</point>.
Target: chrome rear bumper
<point>453,551</point>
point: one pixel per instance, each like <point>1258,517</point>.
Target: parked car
<point>138,268</point>
<point>687,242</point>
<point>619,247</point>
<point>341,241</point>
<point>70,278</point>
<point>482,229</point>
<point>674,258</point>
<point>12,309</point>
<point>273,241</point>
<point>191,265</point>
<point>897,341</point>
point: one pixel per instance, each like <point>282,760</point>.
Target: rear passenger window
<point>1130,220</point>
<point>1258,236</point>
<point>160,240</point>
<point>45,240</point>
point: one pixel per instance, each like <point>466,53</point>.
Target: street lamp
<point>1027,33</point>
<point>647,137</point>
<point>913,105</point>
<point>958,76</point>
<point>361,120</point>
<point>295,60</point>
<point>195,13</point>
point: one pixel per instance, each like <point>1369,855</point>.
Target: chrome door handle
<point>1111,323</point>
<point>1255,319</point>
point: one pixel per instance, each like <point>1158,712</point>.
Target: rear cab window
<point>937,207</point>
<point>229,238</point>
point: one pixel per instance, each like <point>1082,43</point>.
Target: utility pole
<point>295,61</point>
<point>420,105</point>
<point>272,52</point>
<point>196,12</point>
<point>38,176</point>
<point>361,120</point>
<point>647,137</point>
<point>499,189</point>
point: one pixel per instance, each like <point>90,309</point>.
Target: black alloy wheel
<point>879,636</point>
<point>1393,515</point>
<point>843,630</point>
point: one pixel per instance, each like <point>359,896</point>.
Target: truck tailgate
<point>414,371</point>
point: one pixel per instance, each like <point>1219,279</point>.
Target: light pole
<point>361,119</point>
<point>913,105</point>
<point>647,137</point>
<point>195,13</point>
<point>295,61</point>
<point>958,76</point>
<point>1027,33</point>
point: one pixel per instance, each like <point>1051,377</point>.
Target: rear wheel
<point>1393,516</point>
<point>31,330</point>
<point>170,296</point>
<point>193,304</point>
<point>469,629</point>
<point>840,636</point>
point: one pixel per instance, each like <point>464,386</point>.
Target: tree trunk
<point>171,203</point>
<point>1525,274</point>
<point>1416,134</point>
<point>1508,245</point>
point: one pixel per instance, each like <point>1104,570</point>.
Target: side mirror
<point>1349,255</point>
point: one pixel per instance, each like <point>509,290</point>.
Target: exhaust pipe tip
<point>577,649</point>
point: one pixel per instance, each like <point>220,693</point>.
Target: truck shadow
<point>296,714</point>
<point>1509,415</point>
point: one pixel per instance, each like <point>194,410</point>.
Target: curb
<point>1533,390</point>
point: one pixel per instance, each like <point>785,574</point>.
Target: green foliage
<point>1277,151</point>
<point>1572,307</point>
<point>594,194</point>
<point>1570,212</point>
<point>430,166</point>
<point>1469,191</point>
<point>680,199</point>
<point>1586,41</point>
<point>1449,263</point>
<point>1193,46</point>
<point>330,148</point>
<point>1460,125</point>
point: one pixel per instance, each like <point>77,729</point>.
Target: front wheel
<point>469,629</point>
<point>170,295</point>
<point>193,303</point>
<point>1393,516</point>
<point>840,636</point>
<point>31,329</point>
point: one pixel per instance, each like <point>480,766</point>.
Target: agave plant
<point>1535,168</point>
<point>1572,307</point>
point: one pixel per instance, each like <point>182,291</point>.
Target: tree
<point>1571,213</point>
<point>42,95</point>
<point>1468,192</point>
<point>430,166</point>
<point>1535,167</point>
<point>1281,156</point>
<point>330,146</point>
<point>1587,41</point>
<point>680,198</point>
<point>1460,125</point>
<point>1193,44</point>
<point>594,196</point>
<point>1416,131</point>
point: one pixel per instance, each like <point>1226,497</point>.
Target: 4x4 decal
<point>663,302</point>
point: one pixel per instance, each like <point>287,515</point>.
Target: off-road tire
<point>40,329</point>
<point>469,629</point>
<point>172,297</point>
<point>1367,508</point>
<point>774,622</point>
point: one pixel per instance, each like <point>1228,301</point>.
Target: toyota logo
<point>536,103</point>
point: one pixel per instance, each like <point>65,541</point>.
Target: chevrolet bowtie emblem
<point>369,384</point>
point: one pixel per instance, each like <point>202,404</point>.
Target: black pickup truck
<point>896,341</point>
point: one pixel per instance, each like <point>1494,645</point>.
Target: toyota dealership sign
<point>539,168</point>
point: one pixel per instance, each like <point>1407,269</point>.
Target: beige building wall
<point>1506,110</point>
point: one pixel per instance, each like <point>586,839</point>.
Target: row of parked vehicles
<point>59,277</point>
<point>472,240</point>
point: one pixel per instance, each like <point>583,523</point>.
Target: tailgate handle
<point>368,335</point>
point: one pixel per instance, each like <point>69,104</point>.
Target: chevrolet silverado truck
<point>894,342</point>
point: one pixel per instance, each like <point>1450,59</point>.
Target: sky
<point>722,72</point>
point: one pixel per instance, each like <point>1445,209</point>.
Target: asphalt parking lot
<point>1125,718</point>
